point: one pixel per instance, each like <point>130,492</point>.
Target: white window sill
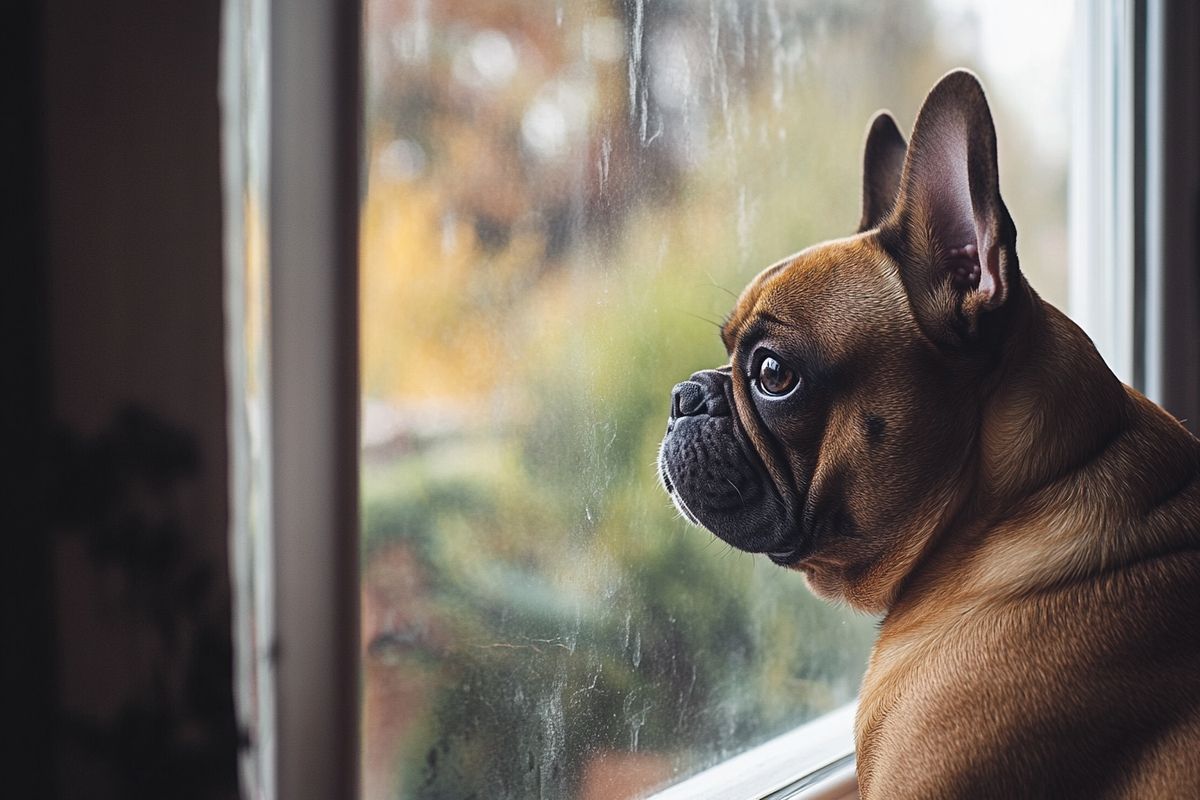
<point>812,762</point>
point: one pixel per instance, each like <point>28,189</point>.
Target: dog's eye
<point>775,378</point>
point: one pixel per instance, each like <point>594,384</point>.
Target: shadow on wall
<point>168,728</point>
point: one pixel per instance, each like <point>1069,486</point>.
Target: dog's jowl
<point>905,423</point>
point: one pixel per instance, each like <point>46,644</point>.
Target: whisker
<point>712,322</point>
<point>716,285</point>
<point>741,497</point>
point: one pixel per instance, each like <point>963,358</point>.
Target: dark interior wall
<point>134,212</point>
<point>26,654</point>
<point>133,280</point>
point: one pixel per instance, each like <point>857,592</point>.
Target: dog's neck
<point>1050,406</point>
<point>1055,425</point>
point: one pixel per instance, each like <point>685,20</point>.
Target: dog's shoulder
<point>1089,689</point>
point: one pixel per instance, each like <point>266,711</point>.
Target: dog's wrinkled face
<point>822,437</point>
<point>841,430</point>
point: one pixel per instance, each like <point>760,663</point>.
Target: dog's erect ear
<point>956,238</point>
<point>883,163</point>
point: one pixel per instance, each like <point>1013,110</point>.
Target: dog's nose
<point>703,393</point>
<point>687,399</point>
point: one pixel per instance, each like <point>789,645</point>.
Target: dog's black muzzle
<point>711,472</point>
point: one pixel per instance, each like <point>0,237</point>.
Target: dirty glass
<point>562,201</point>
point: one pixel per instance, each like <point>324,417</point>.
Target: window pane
<point>563,200</point>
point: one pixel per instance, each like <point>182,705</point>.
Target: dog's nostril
<point>687,399</point>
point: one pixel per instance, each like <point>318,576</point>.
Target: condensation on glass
<point>562,201</point>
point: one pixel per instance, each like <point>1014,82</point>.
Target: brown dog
<point>907,423</point>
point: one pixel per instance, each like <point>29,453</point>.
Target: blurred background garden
<point>563,201</point>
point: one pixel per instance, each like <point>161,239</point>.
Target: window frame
<point>814,760</point>
<point>314,101</point>
<point>1134,205</point>
<point>1170,247</point>
<point>314,175</point>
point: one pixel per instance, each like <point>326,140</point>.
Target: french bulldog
<point>904,421</point>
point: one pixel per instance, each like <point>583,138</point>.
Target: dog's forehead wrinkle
<point>798,274</point>
<point>843,289</point>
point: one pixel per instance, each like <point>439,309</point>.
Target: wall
<point>133,261</point>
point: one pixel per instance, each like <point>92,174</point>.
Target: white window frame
<point>1134,195</point>
<point>314,90</point>
<point>1101,286</point>
<point>812,762</point>
<point>303,638</point>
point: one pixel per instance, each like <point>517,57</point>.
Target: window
<point>556,203</point>
<point>561,200</point>
<point>127,231</point>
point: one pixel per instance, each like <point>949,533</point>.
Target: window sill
<point>813,762</point>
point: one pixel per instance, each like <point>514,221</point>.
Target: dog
<point>907,424</point>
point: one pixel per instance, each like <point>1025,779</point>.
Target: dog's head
<point>839,436</point>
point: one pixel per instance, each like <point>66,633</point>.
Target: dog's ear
<point>883,163</point>
<point>952,232</point>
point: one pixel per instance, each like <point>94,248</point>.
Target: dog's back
<point>1055,650</point>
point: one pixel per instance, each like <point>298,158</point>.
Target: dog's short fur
<point>948,450</point>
